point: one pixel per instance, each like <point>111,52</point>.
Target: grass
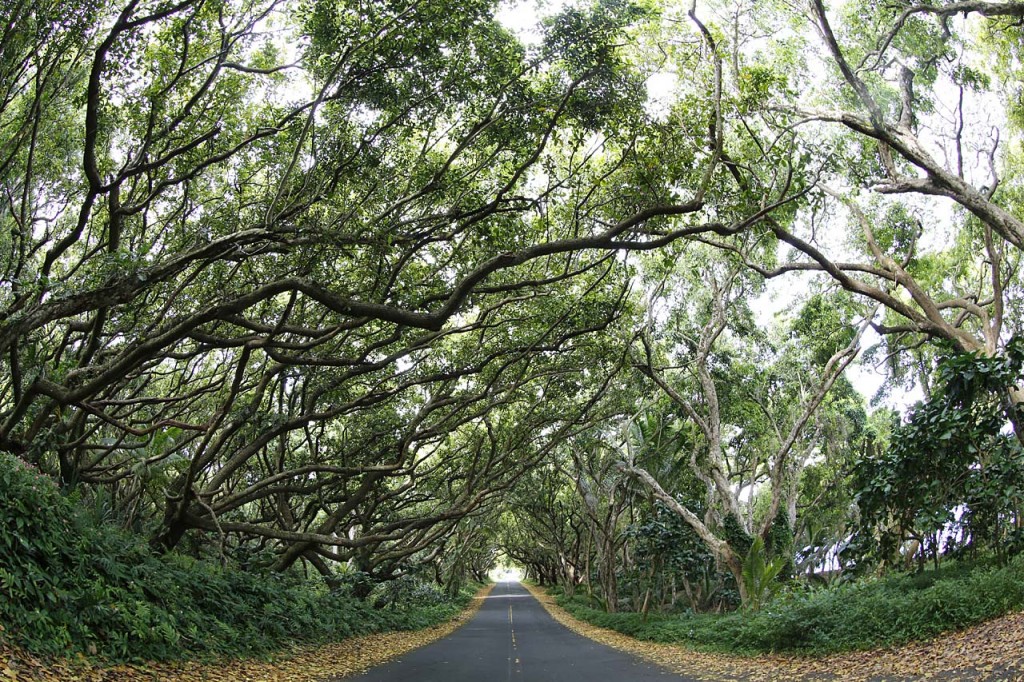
<point>865,614</point>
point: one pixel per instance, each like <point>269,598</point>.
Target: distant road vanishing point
<point>513,639</point>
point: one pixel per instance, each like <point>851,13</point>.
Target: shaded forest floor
<point>300,665</point>
<point>991,651</point>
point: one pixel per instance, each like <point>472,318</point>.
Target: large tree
<point>753,403</point>
<point>901,118</point>
<point>327,277</point>
<point>316,275</point>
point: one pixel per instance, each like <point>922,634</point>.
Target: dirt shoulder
<point>344,658</point>
<point>992,651</point>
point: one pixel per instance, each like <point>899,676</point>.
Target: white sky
<point>522,16</point>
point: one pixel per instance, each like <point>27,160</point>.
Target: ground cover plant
<point>74,583</point>
<point>862,614</point>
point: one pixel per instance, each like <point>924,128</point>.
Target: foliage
<point>822,324</point>
<point>72,583</point>
<point>736,535</point>
<point>298,254</point>
<point>34,544</point>
<point>951,466</point>
<point>868,613</point>
<point>761,575</point>
<point>779,545</point>
<point>331,285</point>
<point>668,554</point>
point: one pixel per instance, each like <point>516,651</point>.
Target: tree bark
<point>719,547</point>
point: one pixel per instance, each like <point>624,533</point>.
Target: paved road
<point>513,639</point>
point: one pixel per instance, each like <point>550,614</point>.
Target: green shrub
<point>864,614</point>
<point>35,549</point>
<point>72,584</point>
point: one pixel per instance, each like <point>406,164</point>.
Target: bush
<point>858,615</point>
<point>70,584</point>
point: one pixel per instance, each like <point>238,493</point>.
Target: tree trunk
<point>719,547</point>
<point>609,582</point>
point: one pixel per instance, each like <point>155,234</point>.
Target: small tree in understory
<point>761,575</point>
<point>673,563</point>
<point>953,476</point>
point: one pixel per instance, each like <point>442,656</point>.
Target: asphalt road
<point>513,639</point>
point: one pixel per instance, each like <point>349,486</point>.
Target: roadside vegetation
<point>926,538</point>
<point>74,583</point>
<point>313,310</point>
<point>861,614</point>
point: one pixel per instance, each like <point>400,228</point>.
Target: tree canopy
<point>349,285</point>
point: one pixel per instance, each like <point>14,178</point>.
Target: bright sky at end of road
<point>506,573</point>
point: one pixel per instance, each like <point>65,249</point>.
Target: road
<point>513,639</point>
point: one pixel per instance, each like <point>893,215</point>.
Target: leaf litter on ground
<point>302,664</point>
<point>989,652</point>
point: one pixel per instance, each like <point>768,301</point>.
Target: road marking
<point>515,646</point>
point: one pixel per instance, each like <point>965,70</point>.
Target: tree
<point>328,278</point>
<point>949,467</point>
<point>925,179</point>
<point>752,405</point>
<point>275,296</point>
<point>544,526</point>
